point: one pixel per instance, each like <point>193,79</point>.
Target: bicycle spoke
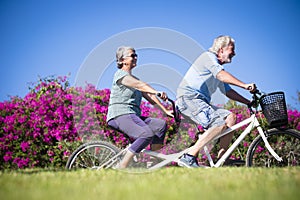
<point>92,155</point>
<point>285,143</point>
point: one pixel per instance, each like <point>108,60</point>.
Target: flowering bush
<point>44,127</point>
<point>37,130</point>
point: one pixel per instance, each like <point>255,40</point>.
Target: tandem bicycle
<point>273,146</point>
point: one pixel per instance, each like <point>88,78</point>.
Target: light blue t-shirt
<point>123,99</point>
<point>201,78</point>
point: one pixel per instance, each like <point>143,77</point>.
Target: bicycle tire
<point>91,155</point>
<point>285,142</point>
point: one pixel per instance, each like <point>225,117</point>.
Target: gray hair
<point>121,52</point>
<point>220,42</point>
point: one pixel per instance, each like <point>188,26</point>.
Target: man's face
<point>226,54</point>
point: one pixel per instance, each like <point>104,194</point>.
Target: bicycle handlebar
<point>175,111</point>
<point>256,96</point>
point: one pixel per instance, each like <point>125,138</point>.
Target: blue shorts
<point>201,112</point>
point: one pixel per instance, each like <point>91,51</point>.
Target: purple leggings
<point>143,130</point>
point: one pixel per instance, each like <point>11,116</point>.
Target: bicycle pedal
<point>149,164</point>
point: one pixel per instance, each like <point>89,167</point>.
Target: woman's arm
<point>148,92</point>
<point>132,82</point>
<point>155,101</point>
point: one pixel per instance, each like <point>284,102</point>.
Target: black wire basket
<point>274,108</point>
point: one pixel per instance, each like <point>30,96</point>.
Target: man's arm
<point>232,94</point>
<point>230,79</point>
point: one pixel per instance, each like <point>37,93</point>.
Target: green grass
<point>167,183</point>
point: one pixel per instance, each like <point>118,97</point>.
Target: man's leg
<point>226,139</point>
<point>189,159</point>
<point>206,115</point>
<point>205,138</point>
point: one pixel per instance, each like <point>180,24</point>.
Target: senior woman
<point>124,111</point>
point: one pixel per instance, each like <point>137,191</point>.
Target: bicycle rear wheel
<point>286,143</point>
<point>93,155</point>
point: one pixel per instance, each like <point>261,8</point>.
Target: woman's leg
<point>134,127</point>
<point>159,128</point>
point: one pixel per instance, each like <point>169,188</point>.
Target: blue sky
<point>55,37</point>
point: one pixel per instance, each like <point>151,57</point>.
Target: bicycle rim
<point>92,155</point>
<point>286,143</point>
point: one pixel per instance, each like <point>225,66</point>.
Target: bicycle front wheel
<point>286,143</point>
<point>93,155</point>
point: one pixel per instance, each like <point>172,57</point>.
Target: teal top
<point>123,100</point>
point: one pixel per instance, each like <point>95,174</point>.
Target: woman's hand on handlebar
<point>170,113</point>
<point>162,95</point>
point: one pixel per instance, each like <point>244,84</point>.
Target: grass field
<point>168,183</point>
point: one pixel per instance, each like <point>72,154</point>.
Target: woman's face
<point>130,58</point>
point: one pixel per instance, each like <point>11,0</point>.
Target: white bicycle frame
<point>252,122</point>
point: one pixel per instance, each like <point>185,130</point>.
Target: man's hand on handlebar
<point>251,87</point>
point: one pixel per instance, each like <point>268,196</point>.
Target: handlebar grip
<point>250,87</point>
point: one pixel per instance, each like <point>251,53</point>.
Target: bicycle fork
<point>263,136</point>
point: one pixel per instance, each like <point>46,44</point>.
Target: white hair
<point>220,42</point>
<point>121,52</point>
